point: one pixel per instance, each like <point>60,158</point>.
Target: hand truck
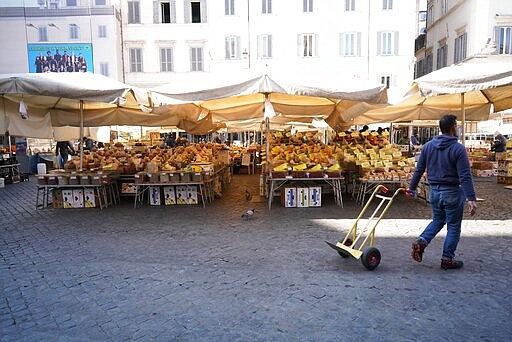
<point>355,240</point>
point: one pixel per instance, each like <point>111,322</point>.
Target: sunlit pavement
<point>188,273</point>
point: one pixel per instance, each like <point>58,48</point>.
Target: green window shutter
<point>395,43</point>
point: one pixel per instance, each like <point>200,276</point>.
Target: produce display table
<point>11,171</point>
<point>106,194</point>
<point>336,183</point>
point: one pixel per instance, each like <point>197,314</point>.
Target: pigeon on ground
<point>248,195</point>
<point>248,214</point>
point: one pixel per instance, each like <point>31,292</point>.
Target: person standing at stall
<point>63,149</point>
<point>451,184</point>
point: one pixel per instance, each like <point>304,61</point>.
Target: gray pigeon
<point>249,213</point>
<point>248,195</point>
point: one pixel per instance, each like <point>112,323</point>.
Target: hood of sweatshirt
<point>443,141</point>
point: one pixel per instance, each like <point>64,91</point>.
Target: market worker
<point>500,143</point>
<point>62,152</point>
<point>451,184</point>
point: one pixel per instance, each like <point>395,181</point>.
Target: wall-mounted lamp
<point>53,25</point>
<point>245,54</point>
<point>31,25</point>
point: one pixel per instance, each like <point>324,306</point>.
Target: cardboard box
<point>302,197</point>
<point>169,195</point>
<point>181,194</point>
<point>78,198</point>
<point>289,197</point>
<point>315,196</point>
<point>57,198</point>
<point>192,197</point>
<point>154,195</point>
<point>128,188</point>
<point>90,198</point>
<point>67,198</point>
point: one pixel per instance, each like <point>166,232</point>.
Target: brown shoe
<point>418,247</point>
<point>450,264</point>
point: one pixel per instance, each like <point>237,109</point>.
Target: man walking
<point>451,183</point>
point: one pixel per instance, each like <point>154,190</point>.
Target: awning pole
<point>81,132</point>
<point>463,110</point>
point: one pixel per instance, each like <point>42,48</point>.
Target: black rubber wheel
<point>371,258</point>
<point>344,254</point>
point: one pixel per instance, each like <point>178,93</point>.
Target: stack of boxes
<point>301,197</point>
<point>505,169</point>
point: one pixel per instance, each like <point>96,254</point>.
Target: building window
<point>71,3</point>
<point>444,7</point>
<point>164,12</point>
<point>387,4</point>
<point>100,2</point>
<point>136,60</point>
<point>232,47</point>
<point>308,45</point>
<point>73,31</point>
<point>504,40</point>
<point>43,33</point>
<point>102,31</point>
<point>165,9</point>
<point>385,80</point>
<point>307,6</point>
<point>350,44</point>
<point>196,59</point>
<point>166,60</point>
<point>195,9</point>
<point>350,5</point>
<point>429,60</point>
<point>265,46</point>
<point>460,48</point>
<point>266,6</point>
<point>388,43</point>
<point>229,7</point>
<point>442,57</point>
<point>133,12</point>
<point>104,69</point>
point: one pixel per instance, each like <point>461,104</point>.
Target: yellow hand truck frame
<point>356,239</point>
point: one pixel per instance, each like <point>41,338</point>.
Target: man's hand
<point>472,208</point>
<point>410,193</point>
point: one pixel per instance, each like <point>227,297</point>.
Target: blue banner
<point>60,57</point>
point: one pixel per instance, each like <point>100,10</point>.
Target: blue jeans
<point>447,208</point>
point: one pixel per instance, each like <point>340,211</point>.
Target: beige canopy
<point>471,90</point>
<point>242,105</point>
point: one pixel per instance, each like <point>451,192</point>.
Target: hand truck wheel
<point>371,258</point>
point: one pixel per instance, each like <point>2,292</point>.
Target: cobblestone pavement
<point>193,274</point>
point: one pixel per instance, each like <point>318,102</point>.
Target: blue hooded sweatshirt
<point>446,163</point>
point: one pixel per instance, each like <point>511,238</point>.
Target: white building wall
<point>328,20</point>
<point>475,17</point>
